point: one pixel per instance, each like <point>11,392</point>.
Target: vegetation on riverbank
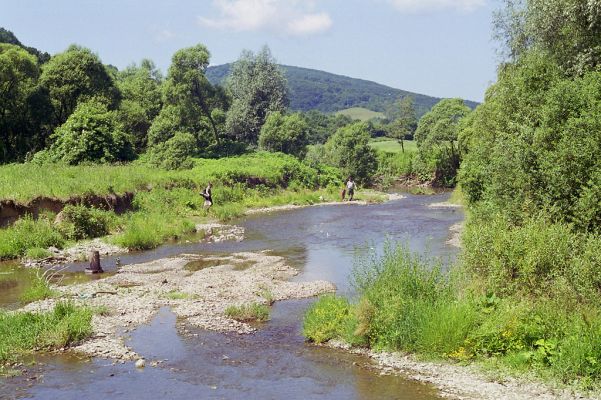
<point>24,333</point>
<point>166,203</point>
<point>525,294</point>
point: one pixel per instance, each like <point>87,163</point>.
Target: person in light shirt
<point>350,188</point>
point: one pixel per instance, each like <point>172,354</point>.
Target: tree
<point>349,150</point>
<point>405,122</point>
<point>140,88</point>
<point>18,76</point>
<point>567,31</point>
<point>258,87</point>
<point>188,87</point>
<point>284,133</point>
<point>90,134</point>
<point>437,136</point>
<point>74,76</point>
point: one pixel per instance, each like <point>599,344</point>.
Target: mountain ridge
<point>312,89</point>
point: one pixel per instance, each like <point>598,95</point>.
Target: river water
<point>274,363</point>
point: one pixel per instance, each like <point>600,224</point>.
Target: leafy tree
<point>258,87</point>
<point>404,122</point>
<point>349,150</point>
<point>74,76</point>
<point>140,88</point>
<point>284,133</point>
<point>437,137</point>
<point>188,87</point>
<point>567,31</point>
<point>90,134</point>
<point>18,76</point>
<point>321,126</point>
<point>7,36</point>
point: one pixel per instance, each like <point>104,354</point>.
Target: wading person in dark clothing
<point>207,196</point>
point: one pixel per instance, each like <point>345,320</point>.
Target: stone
<point>141,363</point>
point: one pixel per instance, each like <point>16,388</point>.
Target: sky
<point>441,48</point>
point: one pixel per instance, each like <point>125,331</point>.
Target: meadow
<point>166,203</point>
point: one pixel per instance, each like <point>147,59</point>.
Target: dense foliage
<point>349,150</point>
<point>284,133</point>
<point>436,135</point>
<point>258,87</point>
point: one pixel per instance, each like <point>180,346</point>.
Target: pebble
<point>141,363</point>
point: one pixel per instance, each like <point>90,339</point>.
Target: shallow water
<point>275,362</point>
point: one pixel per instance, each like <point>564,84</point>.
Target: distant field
<point>393,146</point>
<point>361,113</point>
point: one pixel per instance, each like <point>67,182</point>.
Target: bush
<point>90,134</point>
<point>175,153</point>
<point>80,222</point>
<point>284,133</point>
<point>328,318</point>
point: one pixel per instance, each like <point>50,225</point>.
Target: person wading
<point>207,196</point>
<point>350,188</point>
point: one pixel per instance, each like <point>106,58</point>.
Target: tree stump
<point>94,267</point>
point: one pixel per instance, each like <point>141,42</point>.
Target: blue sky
<point>435,47</point>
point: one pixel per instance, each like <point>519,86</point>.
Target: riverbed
<point>274,362</point>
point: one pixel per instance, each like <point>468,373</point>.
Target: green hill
<point>361,113</point>
<point>312,89</point>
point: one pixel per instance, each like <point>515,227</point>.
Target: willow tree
<point>257,86</point>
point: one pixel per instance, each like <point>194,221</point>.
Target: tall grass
<point>28,233</point>
<point>24,182</point>
<point>405,303</point>
<point>23,333</point>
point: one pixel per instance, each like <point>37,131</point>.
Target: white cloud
<point>420,6</point>
<point>294,17</point>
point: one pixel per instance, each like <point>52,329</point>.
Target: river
<point>275,362</point>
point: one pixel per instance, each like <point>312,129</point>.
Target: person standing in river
<point>207,196</point>
<point>350,188</point>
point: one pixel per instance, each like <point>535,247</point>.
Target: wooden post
<point>94,267</point>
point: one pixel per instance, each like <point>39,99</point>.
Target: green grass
<point>39,290</point>
<point>393,146</point>
<point>27,234</point>
<point>406,304</point>
<point>248,312</point>
<point>24,333</point>
<point>166,204</point>
<point>360,113</point>
<point>175,295</point>
<point>25,182</point>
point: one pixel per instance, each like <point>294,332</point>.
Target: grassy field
<point>393,146</point>
<point>166,205</point>
<point>25,182</point>
<point>362,114</point>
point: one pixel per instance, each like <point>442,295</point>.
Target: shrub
<point>328,318</point>
<point>175,153</point>
<point>284,133</point>
<point>79,222</point>
<point>90,134</point>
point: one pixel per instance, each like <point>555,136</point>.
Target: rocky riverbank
<point>197,288</point>
<point>462,382</point>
